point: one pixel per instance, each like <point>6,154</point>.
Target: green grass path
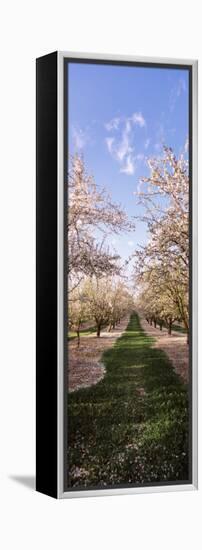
<point>132,427</point>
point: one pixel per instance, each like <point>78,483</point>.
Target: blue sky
<point>119,116</point>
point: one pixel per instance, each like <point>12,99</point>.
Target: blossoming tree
<point>164,262</point>
<point>92,216</point>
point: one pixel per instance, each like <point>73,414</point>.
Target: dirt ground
<point>85,366</point>
<point>174,345</point>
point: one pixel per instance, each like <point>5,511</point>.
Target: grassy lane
<point>132,427</point>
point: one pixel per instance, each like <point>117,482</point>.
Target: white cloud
<point>113,124</point>
<point>129,167</point>
<point>176,93</point>
<point>124,147</point>
<point>130,243</point>
<point>109,142</point>
<point>80,137</point>
<point>181,87</point>
<point>137,118</point>
<point>121,147</point>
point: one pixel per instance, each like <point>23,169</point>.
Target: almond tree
<point>165,258</point>
<point>78,311</point>
<point>108,301</point>
<point>166,202</point>
<point>92,216</point>
<point>157,304</point>
<point>121,302</point>
<point>97,292</point>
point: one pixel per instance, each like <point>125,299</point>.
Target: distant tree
<point>97,292</point>
<point>121,302</point>
<point>108,300</point>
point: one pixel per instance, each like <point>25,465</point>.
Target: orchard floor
<point>85,363</point>
<point>131,427</point>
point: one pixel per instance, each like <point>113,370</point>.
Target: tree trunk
<point>170,327</point>
<point>98,330</point>
<point>114,325</point>
<point>188,338</point>
<point>160,325</point>
<point>155,323</point>
<point>78,337</point>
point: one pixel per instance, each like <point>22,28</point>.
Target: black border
<point>72,60</point>
<point>46,274</point>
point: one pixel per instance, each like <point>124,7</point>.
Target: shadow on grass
<point>132,427</point>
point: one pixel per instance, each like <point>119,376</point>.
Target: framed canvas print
<point>116,373</point>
